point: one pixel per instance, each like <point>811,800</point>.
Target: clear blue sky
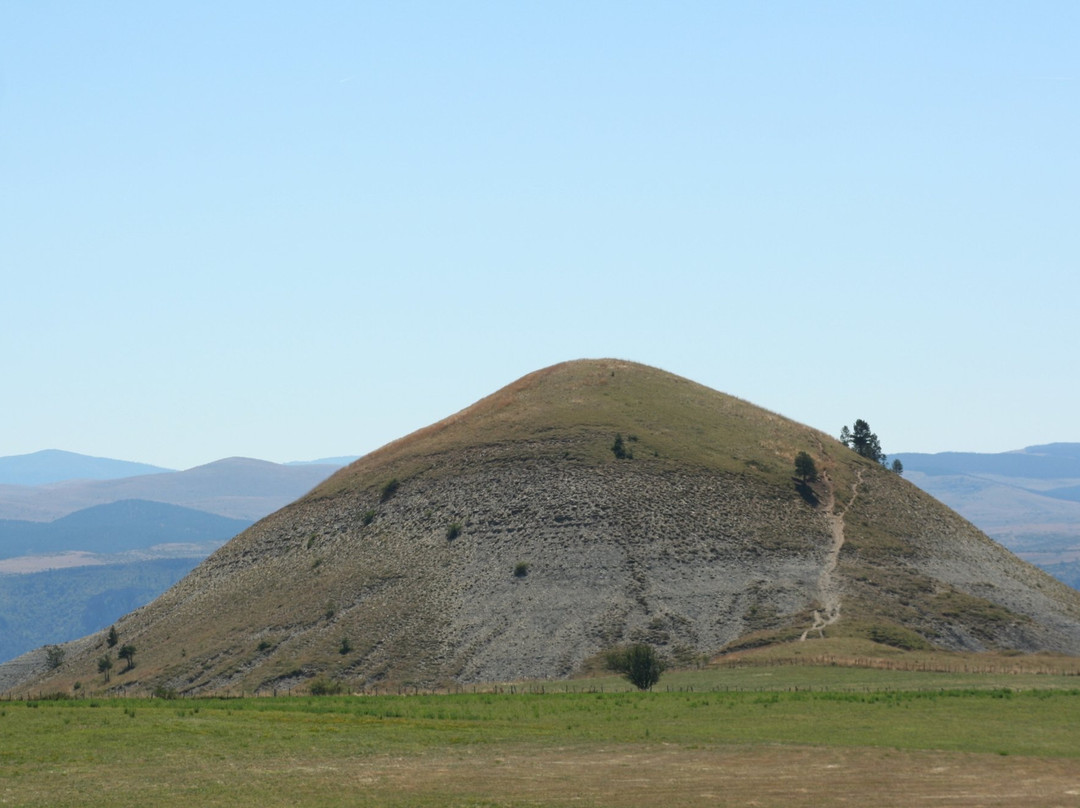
<point>294,230</point>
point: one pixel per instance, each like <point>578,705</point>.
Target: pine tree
<point>863,441</point>
<point>805,467</point>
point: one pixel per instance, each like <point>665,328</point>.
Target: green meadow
<point>716,737</point>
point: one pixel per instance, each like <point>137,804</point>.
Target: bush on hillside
<point>54,656</point>
<point>389,489</point>
<point>898,637</point>
<point>325,687</point>
<point>639,663</point>
<point>619,449</point>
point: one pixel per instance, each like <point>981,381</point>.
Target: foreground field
<point>842,736</point>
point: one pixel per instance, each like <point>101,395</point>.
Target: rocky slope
<point>509,541</point>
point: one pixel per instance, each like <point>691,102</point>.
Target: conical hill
<point>510,541</point>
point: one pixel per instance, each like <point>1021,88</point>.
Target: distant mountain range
<point>129,524</point>
<point>88,539</point>
<point>1029,500</point>
<point>237,487</point>
<point>53,466</point>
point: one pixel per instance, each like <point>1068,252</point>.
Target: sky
<point>299,230</point>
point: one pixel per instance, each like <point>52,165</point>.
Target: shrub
<point>521,569</point>
<point>345,646</point>
<point>453,530</point>
<point>898,637</point>
<point>619,449</point>
<point>367,517</point>
<point>54,656</point>
<point>325,687</point>
<point>389,489</point>
<point>167,693</point>
<point>639,663</point>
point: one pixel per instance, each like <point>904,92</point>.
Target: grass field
<point>787,735</point>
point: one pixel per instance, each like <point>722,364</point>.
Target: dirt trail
<point>828,587</point>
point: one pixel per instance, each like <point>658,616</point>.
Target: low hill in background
<point>87,551</point>
<point>129,524</point>
<point>237,487</point>
<point>53,466</point>
<point>1029,500</point>
<point>65,604</point>
<point>586,505</point>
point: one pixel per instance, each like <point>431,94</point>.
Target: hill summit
<point>586,505</point>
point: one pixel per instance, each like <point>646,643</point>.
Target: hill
<point>136,536</point>
<point>66,604</point>
<point>1029,500</point>
<point>511,540</point>
<point>53,466</point>
<point>116,527</point>
<point>237,487</point>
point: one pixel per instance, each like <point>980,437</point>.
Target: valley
<point>798,734</point>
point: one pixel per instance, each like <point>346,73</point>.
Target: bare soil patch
<point>786,776</point>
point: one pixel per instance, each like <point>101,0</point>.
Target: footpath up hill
<point>511,540</point>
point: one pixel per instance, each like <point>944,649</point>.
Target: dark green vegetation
<point>862,441</point>
<point>805,467</point>
<point>699,546</point>
<point>127,653</point>
<point>743,731</point>
<point>104,667</point>
<point>389,489</point>
<point>76,602</point>
<point>618,448</point>
<point>639,663</point>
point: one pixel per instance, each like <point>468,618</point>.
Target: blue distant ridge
<point>54,466</point>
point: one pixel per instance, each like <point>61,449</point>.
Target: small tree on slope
<point>863,441</point>
<point>805,468</point>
